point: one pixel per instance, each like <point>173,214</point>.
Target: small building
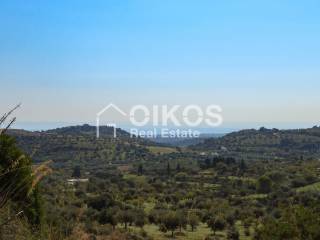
<point>72,181</point>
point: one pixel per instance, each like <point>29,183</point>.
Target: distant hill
<point>79,143</point>
<point>86,129</point>
<point>266,143</point>
<point>184,142</point>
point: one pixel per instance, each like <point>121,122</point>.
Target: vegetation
<point>135,189</point>
<point>20,200</point>
<point>266,144</point>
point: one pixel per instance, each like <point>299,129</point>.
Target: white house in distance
<point>72,181</point>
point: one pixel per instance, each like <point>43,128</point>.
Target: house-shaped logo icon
<point>107,108</point>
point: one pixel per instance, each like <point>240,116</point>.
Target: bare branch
<point>4,118</point>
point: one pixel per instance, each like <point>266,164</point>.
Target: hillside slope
<point>266,143</point>
<point>80,143</point>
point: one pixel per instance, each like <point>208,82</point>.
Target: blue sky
<point>65,60</point>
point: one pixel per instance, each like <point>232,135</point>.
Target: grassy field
<point>199,234</point>
<point>315,187</point>
<point>161,150</point>
<point>255,196</point>
<point>244,179</point>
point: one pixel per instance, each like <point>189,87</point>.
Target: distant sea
<point>224,128</point>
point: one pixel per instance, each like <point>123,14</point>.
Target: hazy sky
<point>65,60</point>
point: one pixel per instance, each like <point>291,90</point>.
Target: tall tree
<point>168,168</point>
<point>140,169</point>
<point>178,168</point>
<point>216,224</point>
<point>264,184</point>
<point>193,221</point>
<point>76,172</point>
<point>170,222</point>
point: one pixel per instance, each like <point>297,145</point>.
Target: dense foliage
<point>134,189</point>
<point>20,202</point>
